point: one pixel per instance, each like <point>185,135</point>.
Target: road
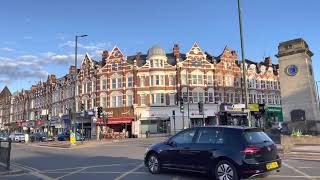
<point>121,160</point>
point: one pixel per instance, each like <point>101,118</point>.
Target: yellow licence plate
<point>272,165</point>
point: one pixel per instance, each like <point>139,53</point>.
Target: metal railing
<point>5,151</point>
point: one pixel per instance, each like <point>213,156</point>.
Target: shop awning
<point>122,120</point>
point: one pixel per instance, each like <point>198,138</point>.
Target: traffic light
<point>99,111</point>
<point>82,107</point>
<point>200,106</point>
<point>181,105</point>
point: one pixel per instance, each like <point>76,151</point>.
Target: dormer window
<point>156,63</point>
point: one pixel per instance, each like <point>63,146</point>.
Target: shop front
<point>65,123</point>
<point>39,126</point>
<point>233,114</point>
<point>116,121</point>
<point>258,115</point>
<point>54,126</point>
<point>83,123</point>
<point>274,115</point>
<point>156,121</point>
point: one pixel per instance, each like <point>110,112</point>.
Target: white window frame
<point>103,84</point>
<point>143,99</point>
<point>129,100</point>
<point>130,83</point>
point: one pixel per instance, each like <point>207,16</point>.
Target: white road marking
<point>98,172</point>
<point>298,171</point>
<point>309,167</point>
<point>34,172</point>
<point>129,172</point>
<point>87,167</point>
<point>69,174</point>
<point>287,176</point>
<point>25,166</point>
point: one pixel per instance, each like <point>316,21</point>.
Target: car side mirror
<point>172,143</point>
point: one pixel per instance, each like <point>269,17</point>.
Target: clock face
<point>292,70</point>
<point>195,51</point>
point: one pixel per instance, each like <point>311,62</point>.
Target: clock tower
<point>298,91</point>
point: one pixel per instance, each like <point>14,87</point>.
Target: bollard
<point>9,154</point>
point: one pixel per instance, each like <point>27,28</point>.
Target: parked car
<point>3,137</point>
<point>226,152</point>
<point>38,137</point>
<point>63,137</point>
<point>17,137</point>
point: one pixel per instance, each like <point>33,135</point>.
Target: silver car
<point>18,137</point>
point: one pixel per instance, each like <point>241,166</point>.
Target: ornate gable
<point>116,55</point>
<point>196,53</point>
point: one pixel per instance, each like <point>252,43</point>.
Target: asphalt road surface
<point>121,160</point>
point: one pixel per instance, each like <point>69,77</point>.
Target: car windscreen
<point>256,137</point>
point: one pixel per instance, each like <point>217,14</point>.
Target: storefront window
<point>155,126</point>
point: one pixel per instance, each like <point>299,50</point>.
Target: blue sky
<point>37,36</point>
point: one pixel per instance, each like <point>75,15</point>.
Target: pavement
<point>120,160</point>
<point>12,171</point>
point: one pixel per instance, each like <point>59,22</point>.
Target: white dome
<point>156,51</point>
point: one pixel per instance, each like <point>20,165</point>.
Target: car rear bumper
<point>249,170</point>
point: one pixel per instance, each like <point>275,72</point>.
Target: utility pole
<point>244,68</point>
<point>318,99</point>
<point>182,111</point>
<point>75,79</point>
<point>187,83</point>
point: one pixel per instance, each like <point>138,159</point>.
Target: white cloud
<point>90,47</point>
<point>6,49</point>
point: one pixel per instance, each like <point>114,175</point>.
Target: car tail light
<point>251,150</point>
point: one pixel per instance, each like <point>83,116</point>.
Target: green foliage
<point>296,133</point>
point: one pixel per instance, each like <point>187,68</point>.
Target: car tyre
<point>225,170</point>
<point>153,164</point>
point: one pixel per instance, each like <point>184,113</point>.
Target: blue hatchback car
<point>226,152</point>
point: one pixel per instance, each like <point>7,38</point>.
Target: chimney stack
<point>105,55</point>
<point>268,61</point>
<point>176,51</point>
<point>72,69</point>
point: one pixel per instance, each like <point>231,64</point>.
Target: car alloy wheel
<point>225,171</point>
<point>153,164</point>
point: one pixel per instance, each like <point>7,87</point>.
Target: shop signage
<point>120,112</point>
<point>254,107</point>
<point>274,109</point>
<point>232,107</point>
<point>30,123</point>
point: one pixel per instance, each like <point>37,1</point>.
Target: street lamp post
<point>244,68</point>
<point>318,98</point>
<point>75,79</point>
